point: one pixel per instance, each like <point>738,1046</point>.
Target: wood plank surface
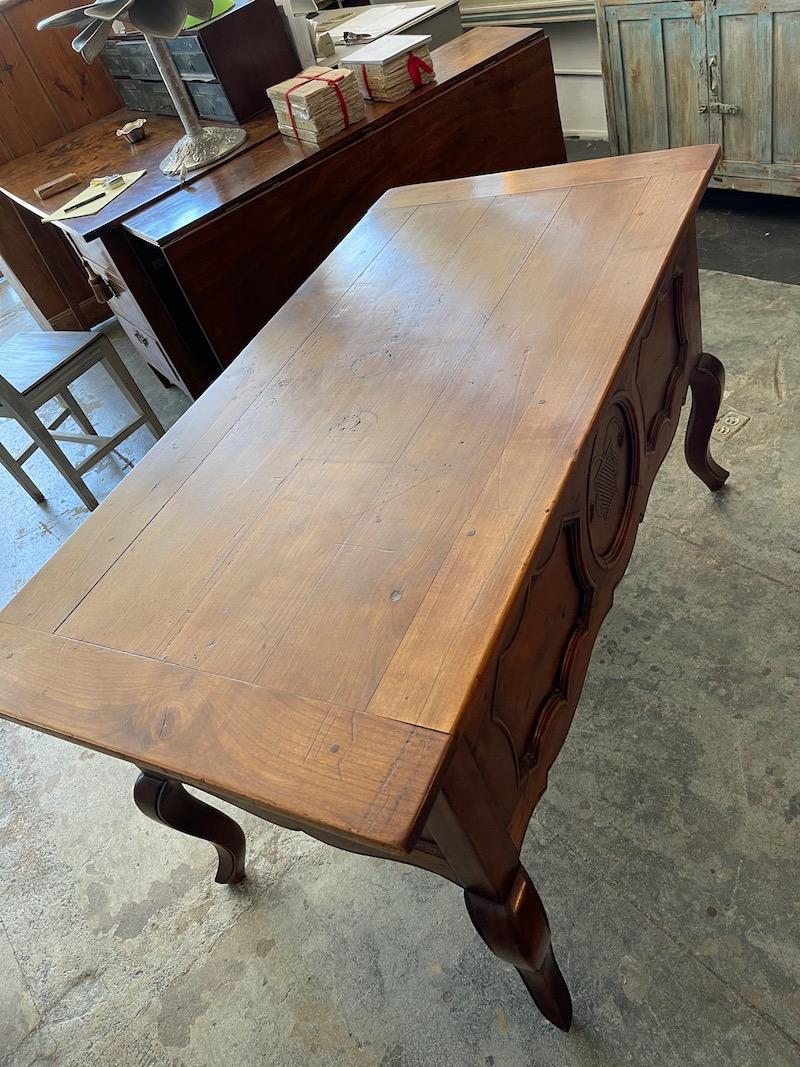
<point>343,522</point>
<point>504,115</point>
<point>324,765</point>
<point>78,92</point>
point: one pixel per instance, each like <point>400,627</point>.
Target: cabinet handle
<point>100,288</point>
<point>712,73</point>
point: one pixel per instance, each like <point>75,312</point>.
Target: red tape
<point>304,80</point>
<point>415,68</point>
<point>365,79</point>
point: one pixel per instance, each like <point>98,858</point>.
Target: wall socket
<point>729,423</point>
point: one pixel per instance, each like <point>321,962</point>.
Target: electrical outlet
<point>729,423</point>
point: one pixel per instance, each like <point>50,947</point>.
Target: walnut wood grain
<point>355,589</point>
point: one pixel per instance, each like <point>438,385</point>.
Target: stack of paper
<point>317,103</point>
<point>392,67</point>
<point>377,20</point>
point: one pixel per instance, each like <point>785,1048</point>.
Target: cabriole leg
<point>707,383</point>
<point>501,899</point>
<point>166,801</point>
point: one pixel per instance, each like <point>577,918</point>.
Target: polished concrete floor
<point>666,848</point>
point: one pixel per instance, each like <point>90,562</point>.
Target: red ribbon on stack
<point>365,79</point>
<point>303,80</point>
<point>415,67</point>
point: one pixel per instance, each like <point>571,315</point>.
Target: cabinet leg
<point>707,383</point>
<point>166,801</point>
<point>501,899</point>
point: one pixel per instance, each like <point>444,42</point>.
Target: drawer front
<point>211,101</point>
<point>150,351</point>
<point>146,96</point>
<point>190,59</point>
<point>129,59</point>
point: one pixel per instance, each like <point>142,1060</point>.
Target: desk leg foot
<point>516,929</point>
<point>166,801</point>
<point>501,899</point>
<point>707,383</point>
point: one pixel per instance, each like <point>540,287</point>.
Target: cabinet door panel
<point>685,55</point>
<point>786,87</point>
<point>641,73</point>
<point>657,57</point>
<point>737,78</point>
<point>753,70</point>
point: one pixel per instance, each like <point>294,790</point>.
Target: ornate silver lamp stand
<point>200,145</point>
<point>158,21</point>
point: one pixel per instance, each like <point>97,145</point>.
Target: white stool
<point>35,368</point>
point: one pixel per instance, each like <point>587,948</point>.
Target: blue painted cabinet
<point>682,72</point>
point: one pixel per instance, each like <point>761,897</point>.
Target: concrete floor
<point>666,848</point>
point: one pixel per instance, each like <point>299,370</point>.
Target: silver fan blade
<point>108,9</point>
<point>200,9</point>
<point>91,40</point>
<point>73,17</point>
<point>158,18</point>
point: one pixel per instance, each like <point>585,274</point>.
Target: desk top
<point>158,209</point>
<point>291,597</point>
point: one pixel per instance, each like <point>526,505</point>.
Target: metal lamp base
<point>212,143</point>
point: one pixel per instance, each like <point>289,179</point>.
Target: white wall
<point>571,27</point>
<point>576,59</point>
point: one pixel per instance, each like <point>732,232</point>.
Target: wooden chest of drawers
<point>227,64</point>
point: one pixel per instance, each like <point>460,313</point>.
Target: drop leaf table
<point>355,589</point>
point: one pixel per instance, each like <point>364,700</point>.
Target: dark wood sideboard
<point>193,271</point>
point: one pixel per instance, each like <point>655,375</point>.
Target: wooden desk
<point>355,589</point>
<point>194,272</point>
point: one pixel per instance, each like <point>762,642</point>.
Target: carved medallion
<point>605,481</point>
<point>612,481</point>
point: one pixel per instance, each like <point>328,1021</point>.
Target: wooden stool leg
<point>166,801</point>
<point>501,899</point>
<point>125,383</point>
<point>35,428</point>
<point>17,472</point>
<point>76,411</point>
<point>707,383</point>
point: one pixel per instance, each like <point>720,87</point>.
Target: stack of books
<point>317,103</point>
<point>393,66</point>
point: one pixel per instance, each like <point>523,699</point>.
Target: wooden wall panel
<point>79,93</point>
<point>28,119</point>
<point>46,90</point>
